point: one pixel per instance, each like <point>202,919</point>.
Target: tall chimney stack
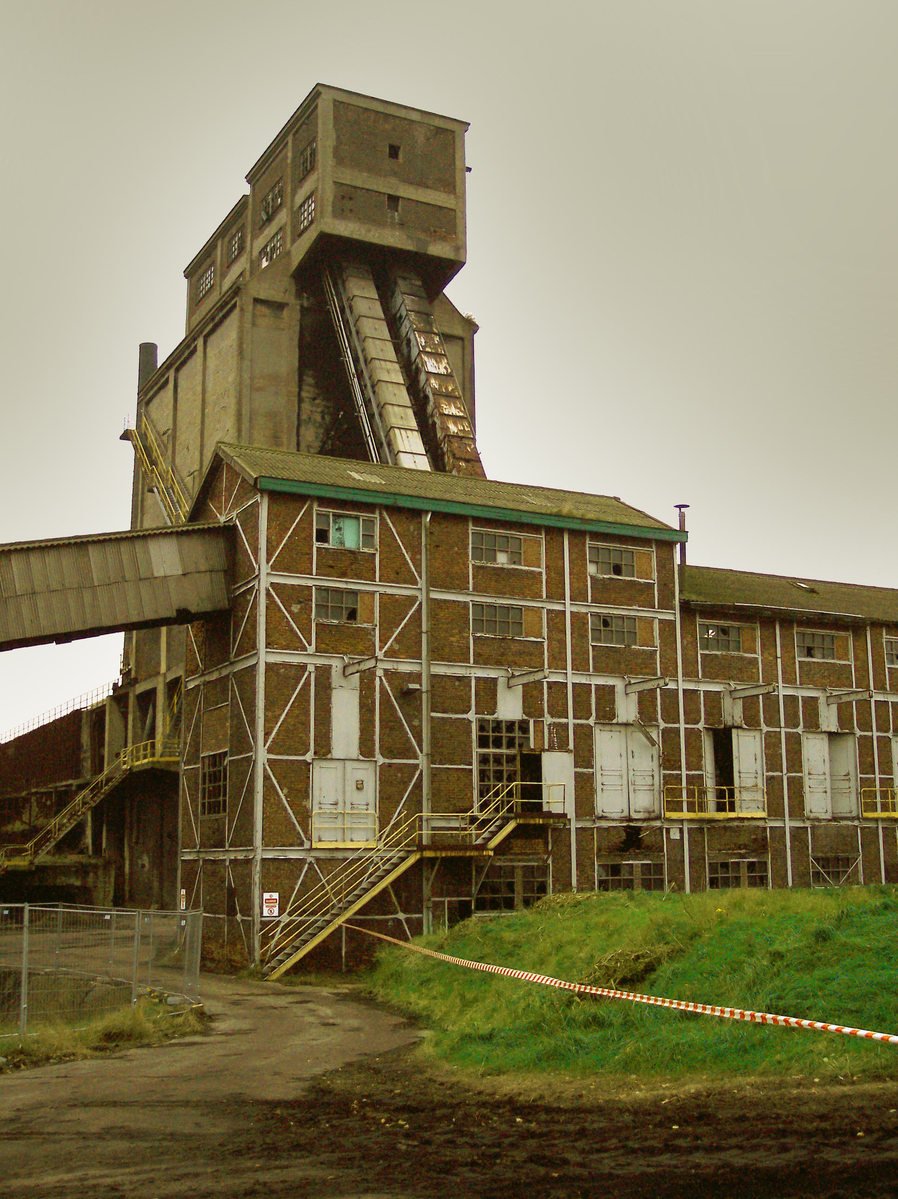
<point>681,509</point>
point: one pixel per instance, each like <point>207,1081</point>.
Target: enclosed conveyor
<point>64,589</point>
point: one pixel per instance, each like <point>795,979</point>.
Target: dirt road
<point>312,1094</point>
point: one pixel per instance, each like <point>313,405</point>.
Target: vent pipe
<point>681,509</point>
<point>147,362</point>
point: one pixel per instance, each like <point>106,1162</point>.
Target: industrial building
<point>362,681</point>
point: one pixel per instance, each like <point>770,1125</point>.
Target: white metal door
<point>642,755</point>
<point>361,818</point>
<point>843,774</point>
<point>748,769</point>
<point>611,771</point>
<point>558,780</point>
<point>817,800</point>
<point>327,802</point>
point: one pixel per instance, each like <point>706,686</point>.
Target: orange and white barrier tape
<point>701,1009</point>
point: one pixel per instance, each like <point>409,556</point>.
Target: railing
<point>87,700</point>
<point>159,473</point>
<point>403,838</point>
<point>879,803</point>
<point>143,754</point>
<point>699,802</point>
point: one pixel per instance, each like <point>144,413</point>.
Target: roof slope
<point>314,474</point>
<point>744,589</point>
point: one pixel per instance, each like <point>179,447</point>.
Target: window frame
<point>626,620</point>
<point>595,550</point>
<point>272,249</point>
<point>213,792</point>
<point>234,244</point>
<point>271,203</point>
<point>205,282</point>
<point>703,638</point>
<point>635,871</point>
<point>745,874</point>
<point>307,159</point>
<point>305,213</point>
<point>366,533</point>
<point>324,601</point>
<point>803,633</point>
<point>886,640</point>
<point>495,535</point>
<point>502,614</point>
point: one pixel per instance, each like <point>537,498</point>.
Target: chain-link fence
<point>62,964</point>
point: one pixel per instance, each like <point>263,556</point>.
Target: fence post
<point>136,963</point>
<point>23,990</point>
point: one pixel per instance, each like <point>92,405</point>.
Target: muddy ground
<point>311,1093</point>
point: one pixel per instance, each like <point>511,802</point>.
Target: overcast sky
<point>682,243</point>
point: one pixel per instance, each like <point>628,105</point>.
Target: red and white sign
<point>271,905</point>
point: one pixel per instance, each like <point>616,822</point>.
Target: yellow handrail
<point>700,802</point>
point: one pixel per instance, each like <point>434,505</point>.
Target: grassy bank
<point>149,1022</point>
<point>822,955</point>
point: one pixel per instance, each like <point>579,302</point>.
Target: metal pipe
<point>426,702</point>
<point>787,827</point>
<point>570,700</point>
<point>682,723</point>
<point>259,738</point>
<point>882,850</point>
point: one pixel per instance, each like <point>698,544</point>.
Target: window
<point>305,214</point>
<point>393,205</point>
<point>271,249</point>
<point>833,870</point>
<point>720,638</point>
<point>737,872</point>
<point>344,531</point>
<point>611,560</point>
<point>499,745</point>
<point>497,620</point>
<point>235,245</point>
<point>214,783</point>
<point>501,549</point>
<point>630,876</point>
<point>815,645</point>
<point>204,282</point>
<point>612,630</point>
<point>891,651</point>
<point>306,162</point>
<point>271,202</point>
<point>508,885</point>
<point>394,151</point>
<point>336,604</point>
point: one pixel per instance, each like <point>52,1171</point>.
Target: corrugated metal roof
<point>80,586</point>
<point>315,474</point>
<point>734,589</point>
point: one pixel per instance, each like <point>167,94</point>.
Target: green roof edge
<point>422,504</point>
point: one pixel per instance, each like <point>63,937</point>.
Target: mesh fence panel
<point>62,964</point>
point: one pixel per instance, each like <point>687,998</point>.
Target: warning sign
<point>183,899</point>
<point>271,905</point>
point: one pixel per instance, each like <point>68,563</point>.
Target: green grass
<point>821,955</point>
<point>150,1022</point>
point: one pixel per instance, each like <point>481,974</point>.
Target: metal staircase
<point>164,752</point>
<point>358,879</point>
<point>158,472</point>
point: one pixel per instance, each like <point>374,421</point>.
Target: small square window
<point>205,282</point>
<point>720,638</point>
<point>271,202</point>
<point>235,244</point>
<point>497,620</point>
<point>305,214</point>
<point>394,151</point>
<point>336,605</point>
<point>307,159</point>
<point>500,549</point>
<point>393,205</point>
<point>344,531</point>
<point>611,560</point>
<point>815,645</point>
<point>610,629</point>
